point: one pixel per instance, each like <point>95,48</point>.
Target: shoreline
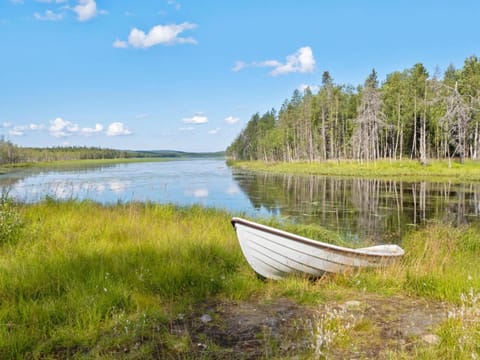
<point>437,170</point>
<point>4,169</point>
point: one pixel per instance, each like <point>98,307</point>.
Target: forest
<point>13,154</point>
<point>411,114</point>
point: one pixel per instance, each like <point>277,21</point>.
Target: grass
<point>81,274</point>
<point>437,170</point>
<point>84,280</point>
<point>440,263</point>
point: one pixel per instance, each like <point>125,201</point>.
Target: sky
<point>187,75</point>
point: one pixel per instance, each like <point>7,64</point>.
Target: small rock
<point>206,318</point>
<point>431,339</point>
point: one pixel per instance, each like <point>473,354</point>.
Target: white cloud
<point>239,65</point>
<point>214,131</point>
<point>62,128</point>
<point>231,120</point>
<point>89,131</point>
<point>313,88</point>
<point>6,124</point>
<point>161,34</point>
<point>175,4</point>
<point>268,63</point>
<point>119,44</point>
<point>87,9</point>
<point>117,129</point>
<point>34,127</point>
<point>52,1</point>
<point>158,35</point>
<point>196,119</point>
<point>19,130</point>
<point>48,15</point>
<point>302,61</point>
<point>142,116</point>
<point>16,2</point>
<point>16,132</point>
<point>59,128</point>
<point>186,128</point>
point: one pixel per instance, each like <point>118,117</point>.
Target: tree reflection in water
<point>360,209</point>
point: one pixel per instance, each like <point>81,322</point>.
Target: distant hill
<point>176,154</point>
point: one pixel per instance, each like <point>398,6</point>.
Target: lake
<point>381,210</point>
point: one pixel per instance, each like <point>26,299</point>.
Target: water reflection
<point>117,186</point>
<point>361,208</point>
<point>232,190</point>
<point>197,193</point>
<point>185,182</point>
<point>18,178</point>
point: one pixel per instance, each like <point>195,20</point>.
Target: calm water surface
<point>208,182</point>
<point>357,208</point>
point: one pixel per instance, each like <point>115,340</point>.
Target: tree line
<point>411,114</point>
<point>13,154</point>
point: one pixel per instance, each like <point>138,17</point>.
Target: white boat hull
<point>274,253</point>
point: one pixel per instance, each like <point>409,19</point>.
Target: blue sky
<point>188,75</point>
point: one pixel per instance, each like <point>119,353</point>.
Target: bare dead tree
<point>456,121</point>
<point>369,122</point>
<point>423,130</point>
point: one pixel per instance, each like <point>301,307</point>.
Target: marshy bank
<point>413,170</point>
<point>141,280</point>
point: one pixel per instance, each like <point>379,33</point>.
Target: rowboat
<point>275,253</point>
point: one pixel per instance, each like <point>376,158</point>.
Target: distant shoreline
<point>8,168</point>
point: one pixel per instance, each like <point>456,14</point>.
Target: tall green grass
<point>437,170</point>
<point>78,279</point>
<point>440,263</point>
<point>82,274</point>
<point>10,221</point>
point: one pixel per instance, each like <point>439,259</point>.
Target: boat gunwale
<point>362,252</point>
